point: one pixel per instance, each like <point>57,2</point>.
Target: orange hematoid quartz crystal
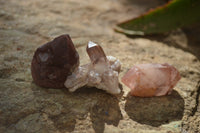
<point>147,80</point>
<point>101,73</point>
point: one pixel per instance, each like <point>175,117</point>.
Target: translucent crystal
<point>95,53</point>
<point>146,80</point>
<point>101,73</point>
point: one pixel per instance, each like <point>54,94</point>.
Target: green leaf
<point>177,13</point>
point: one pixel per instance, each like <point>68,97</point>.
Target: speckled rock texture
<point>27,108</point>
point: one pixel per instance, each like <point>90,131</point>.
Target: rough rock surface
<point>27,108</point>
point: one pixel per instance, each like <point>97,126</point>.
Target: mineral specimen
<point>146,80</point>
<point>54,61</point>
<point>101,73</point>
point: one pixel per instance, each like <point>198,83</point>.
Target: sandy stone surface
<point>27,108</point>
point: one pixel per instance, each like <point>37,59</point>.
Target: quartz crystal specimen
<point>54,61</point>
<point>147,80</point>
<point>101,73</point>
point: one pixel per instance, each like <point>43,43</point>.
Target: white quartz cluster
<point>101,73</point>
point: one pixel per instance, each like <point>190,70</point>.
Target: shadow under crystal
<point>106,110</point>
<point>64,108</point>
<point>155,111</point>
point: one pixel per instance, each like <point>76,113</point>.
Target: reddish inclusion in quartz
<point>146,80</point>
<point>95,53</point>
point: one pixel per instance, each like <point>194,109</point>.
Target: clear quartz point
<point>101,73</point>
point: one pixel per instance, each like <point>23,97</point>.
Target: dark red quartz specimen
<point>53,62</point>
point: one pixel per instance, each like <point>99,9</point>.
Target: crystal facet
<point>101,73</point>
<point>95,52</point>
<point>54,61</point>
<point>146,80</point>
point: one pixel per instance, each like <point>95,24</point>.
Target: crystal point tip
<point>95,52</point>
<point>91,44</point>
